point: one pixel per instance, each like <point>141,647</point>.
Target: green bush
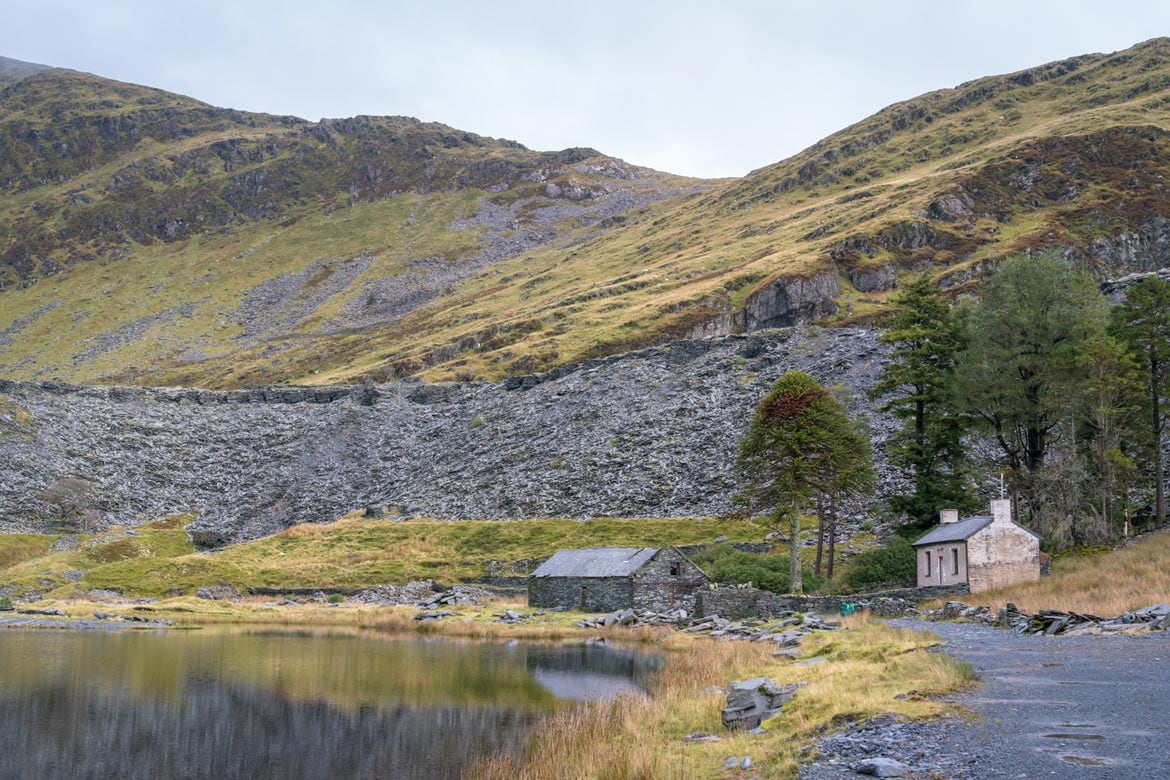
<point>5,604</point>
<point>335,598</point>
<point>769,572</point>
<point>893,565</point>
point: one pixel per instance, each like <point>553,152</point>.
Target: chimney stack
<point>1001,511</point>
<point>948,516</point>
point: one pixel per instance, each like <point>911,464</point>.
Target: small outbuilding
<point>983,552</point>
<point>604,579</point>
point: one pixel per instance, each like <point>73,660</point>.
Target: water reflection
<point>222,704</point>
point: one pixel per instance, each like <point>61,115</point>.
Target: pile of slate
<point>392,595</point>
<point>458,596</point>
<point>784,631</point>
<point>1051,622</point>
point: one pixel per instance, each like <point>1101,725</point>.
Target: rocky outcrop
<point>791,300</point>
<point>647,433</point>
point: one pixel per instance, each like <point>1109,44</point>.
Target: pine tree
<point>1019,370</point>
<point>918,385</point>
<point>801,442</point>
<point>1142,321</point>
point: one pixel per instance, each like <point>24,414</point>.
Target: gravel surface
<point>1048,707</point>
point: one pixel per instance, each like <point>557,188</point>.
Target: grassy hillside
<point>151,239</point>
<point>158,559</point>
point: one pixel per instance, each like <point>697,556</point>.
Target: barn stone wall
<point>657,589</point>
<point>602,594</point>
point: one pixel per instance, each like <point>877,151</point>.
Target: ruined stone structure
<point>604,579</point>
<point>986,551</point>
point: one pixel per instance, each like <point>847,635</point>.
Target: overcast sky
<point>700,88</point>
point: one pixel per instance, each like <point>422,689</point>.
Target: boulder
<point>750,702</point>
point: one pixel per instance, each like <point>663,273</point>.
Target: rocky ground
<point>647,433</point>
<point>1061,707</point>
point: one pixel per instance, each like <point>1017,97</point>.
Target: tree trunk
<point>832,533</point>
<point>794,584</point>
<point>1159,467</point>
<point>820,533</point>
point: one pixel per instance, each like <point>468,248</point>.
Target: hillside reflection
<point>221,704</point>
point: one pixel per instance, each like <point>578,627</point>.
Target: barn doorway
<point>584,598</point>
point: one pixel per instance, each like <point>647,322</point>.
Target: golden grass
<point>870,665</point>
<point>1103,584</point>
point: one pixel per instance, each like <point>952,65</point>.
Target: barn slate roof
<point>956,532</point>
<point>596,562</point>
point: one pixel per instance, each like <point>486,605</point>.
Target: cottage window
<point>928,563</point>
<point>955,558</point>
<point>675,570</point>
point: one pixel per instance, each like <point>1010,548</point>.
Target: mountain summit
<point>150,238</point>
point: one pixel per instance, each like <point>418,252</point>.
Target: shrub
<point>893,564</point>
<point>335,598</point>
<point>5,604</point>
<point>769,572</point>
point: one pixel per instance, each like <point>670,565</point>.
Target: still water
<point>277,704</point>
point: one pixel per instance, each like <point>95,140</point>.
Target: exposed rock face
<point>883,277</point>
<point>791,300</point>
<point>648,433</point>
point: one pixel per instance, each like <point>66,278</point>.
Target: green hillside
<point>149,238</point>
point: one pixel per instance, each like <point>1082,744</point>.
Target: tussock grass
<point>871,665</point>
<point>1103,584</point>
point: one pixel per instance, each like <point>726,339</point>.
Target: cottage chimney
<point>1001,511</point>
<point>948,516</point>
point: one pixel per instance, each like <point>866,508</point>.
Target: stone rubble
<point>1050,622</point>
<point>786,630</point>
<point>422,593</point>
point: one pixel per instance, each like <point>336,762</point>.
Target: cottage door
<point>584,599</point>
<point>940,569</point>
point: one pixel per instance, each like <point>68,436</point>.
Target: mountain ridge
<point>459,256</point>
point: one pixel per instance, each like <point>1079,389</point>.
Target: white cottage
<point>985,552</point>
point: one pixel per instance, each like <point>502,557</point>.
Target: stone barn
<point>984,552</point>
<point>604,579</point>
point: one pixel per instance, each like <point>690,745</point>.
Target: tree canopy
<point>801,443</point>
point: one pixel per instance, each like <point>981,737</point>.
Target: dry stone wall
<point>647,433</point>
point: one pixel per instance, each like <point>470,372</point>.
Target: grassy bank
<point>1102,583</point>
<point>352,552</point>
<point>869,669</point>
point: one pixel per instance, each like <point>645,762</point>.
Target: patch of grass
<point>16,548</point>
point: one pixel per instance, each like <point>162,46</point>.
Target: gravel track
<point>1048,707</point>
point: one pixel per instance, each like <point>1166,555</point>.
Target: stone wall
<point>588,594</point>
<point>667,581</point>
<point>648,433</point>
<point>1002,555</point>
<point>736,603</point>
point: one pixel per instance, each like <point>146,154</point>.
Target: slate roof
<point>956,532</point>
<point>596,562</point>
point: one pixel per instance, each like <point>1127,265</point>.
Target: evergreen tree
<point>918,385</point>
<point>1142,321</point>
<point>800,441</point>
<point>1019,368</point>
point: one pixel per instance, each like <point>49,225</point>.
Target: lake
<point>256,703</point>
